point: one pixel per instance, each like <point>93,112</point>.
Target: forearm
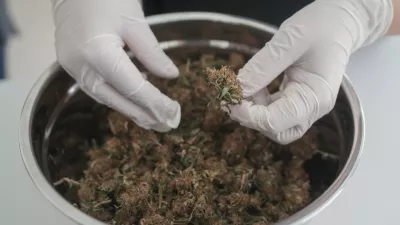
<point>395,26</point>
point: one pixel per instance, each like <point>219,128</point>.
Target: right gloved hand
<point>313,48</point>
<point>90,36</point>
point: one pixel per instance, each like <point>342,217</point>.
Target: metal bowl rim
<point>79,217</point>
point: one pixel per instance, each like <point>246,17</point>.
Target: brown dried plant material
<point>155,219</point>
<point>208,171</point>
<point>225,81</point>
<point>260,223</point>
<point>236,60</point>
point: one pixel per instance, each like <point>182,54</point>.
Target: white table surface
<point>371,196</point>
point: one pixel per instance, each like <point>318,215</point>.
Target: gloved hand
<point>312,48</point>
<point>90,36</point>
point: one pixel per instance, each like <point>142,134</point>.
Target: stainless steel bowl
<point>56,103</point>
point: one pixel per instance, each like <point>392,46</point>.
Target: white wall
<point>29,53</point>
<point>32,51</point>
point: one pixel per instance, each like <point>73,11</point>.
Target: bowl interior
<point>63,114</point>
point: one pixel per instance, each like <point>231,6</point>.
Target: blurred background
<point>31,49</point>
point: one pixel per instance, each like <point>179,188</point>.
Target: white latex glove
<point>90,36</point>
<point>312,48</point>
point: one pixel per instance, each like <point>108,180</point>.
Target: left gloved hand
<point>90,36</point>
<point>313,48</point>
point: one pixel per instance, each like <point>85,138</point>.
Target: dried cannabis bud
<point>210,170</point>
<point>225,81</point>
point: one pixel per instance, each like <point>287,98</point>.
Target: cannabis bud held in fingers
<point>225,81</point>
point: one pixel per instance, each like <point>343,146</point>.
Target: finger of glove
<point>285,137</point>
<point>115,67</point>
<point>95,87</point>
<point>262,97</point>
<point>275,96</point>
<point>140,116</point>
<point>292,108</point>
<point>285,47</point>
<point>137,114</point>
<point>146,48</point>
<point>106,94</point>
<point>284,82</point>
<point>290,135</point>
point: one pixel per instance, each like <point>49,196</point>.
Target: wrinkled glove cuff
<point>375,17</point>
